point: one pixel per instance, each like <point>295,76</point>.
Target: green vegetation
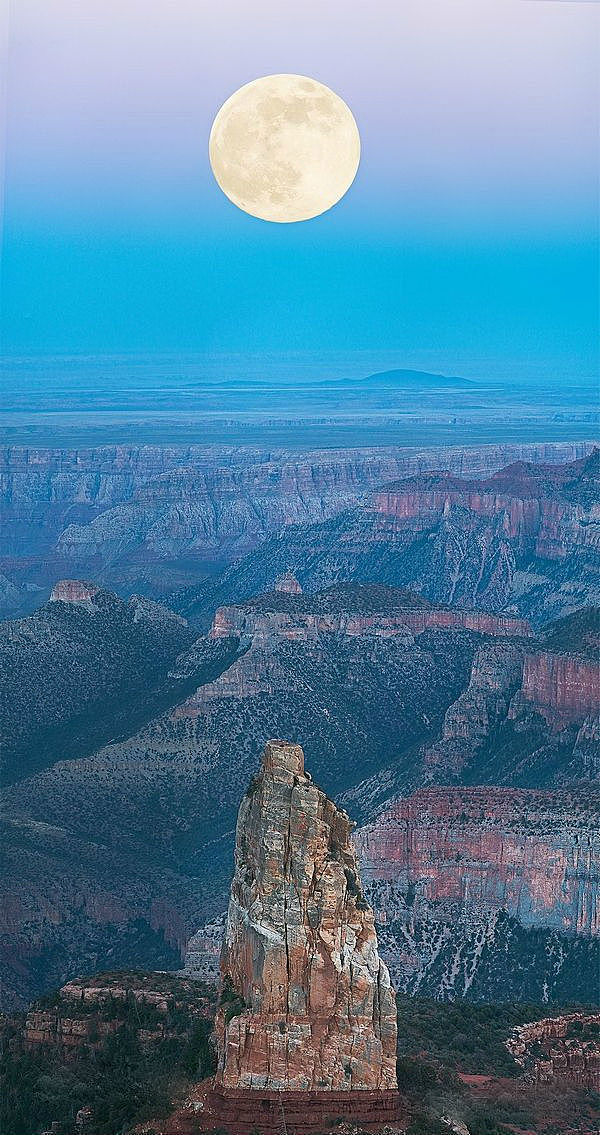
<point>121,1077</point>
<point>577,633</point>
<point>465,1036</point>
<point>440,1041</point>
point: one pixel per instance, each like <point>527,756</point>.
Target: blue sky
<point>470,230</point>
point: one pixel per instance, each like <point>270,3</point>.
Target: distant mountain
<point>412,378</point>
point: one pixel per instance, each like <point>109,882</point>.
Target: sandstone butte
<point>306,1025</point>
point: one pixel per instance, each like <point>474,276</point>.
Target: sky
<point>470,232</point>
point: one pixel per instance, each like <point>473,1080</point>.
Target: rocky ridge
<point>353,610</point>
<point>93,666</point>
<point>565,1048</point>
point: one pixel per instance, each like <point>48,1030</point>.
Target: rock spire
<point>306,1002</point>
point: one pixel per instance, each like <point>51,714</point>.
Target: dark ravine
<point>88,667</point>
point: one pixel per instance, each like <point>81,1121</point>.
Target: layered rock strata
<point>563,1048</point>
<point>306,1003</point>
<point>445,869</point>
<point>532,853</point>
<point>563,687</point>
<point>543,512</point>
<point>150,518</point>
<point>300,626</point>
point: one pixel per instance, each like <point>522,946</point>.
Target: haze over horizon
<point>467,244</point>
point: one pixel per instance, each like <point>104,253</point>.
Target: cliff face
<point>74,591</point>
<point>546,510</point>
<point>153,518</point>
<point>520,708</point>
<point>447,867</point>
<point>562,687</point>
<point>482,846</point>
<point>496,674</point>
<point>301,626</point>
<point>550,529</point>
<point>493,545</point>
<point>306,1002</point>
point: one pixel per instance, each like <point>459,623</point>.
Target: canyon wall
<point>562,687</point>
<point>301,626</point>
<point>542,512</point>
<point>153,519</point>
<point>531,853</point>
<point>447,867</point>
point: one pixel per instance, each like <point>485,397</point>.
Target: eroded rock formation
<point>73,591</point>
<point>563,1048</point>
<point>306,1002</point>
<point>268,617</point>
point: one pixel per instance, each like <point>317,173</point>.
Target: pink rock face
<point>537,512</point>
<point>74,591</point>
<point>563,688</point>
<point>306,1002</point>
<point>300,626</point>
<point>495,848</point>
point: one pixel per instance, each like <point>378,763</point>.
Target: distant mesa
<point>412,378</point>
<point>73,591</point>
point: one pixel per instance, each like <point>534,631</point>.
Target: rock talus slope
<point>306,1002</point>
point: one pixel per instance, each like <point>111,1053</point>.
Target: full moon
<point>284,148</point>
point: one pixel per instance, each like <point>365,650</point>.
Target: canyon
<point>455,542</point>
<point>122,852</point>
<point>153,519</point>
<point>125,849</point>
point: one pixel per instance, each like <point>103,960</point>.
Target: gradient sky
<point>470,232</point>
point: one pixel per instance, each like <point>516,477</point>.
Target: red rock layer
<point>546,1051</point>
<point>271,1113</point>
<point>525,851</point>
<point>300,627</point>
<point>74,591</point>
<point>563,687</point>
<point>535,515</point>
